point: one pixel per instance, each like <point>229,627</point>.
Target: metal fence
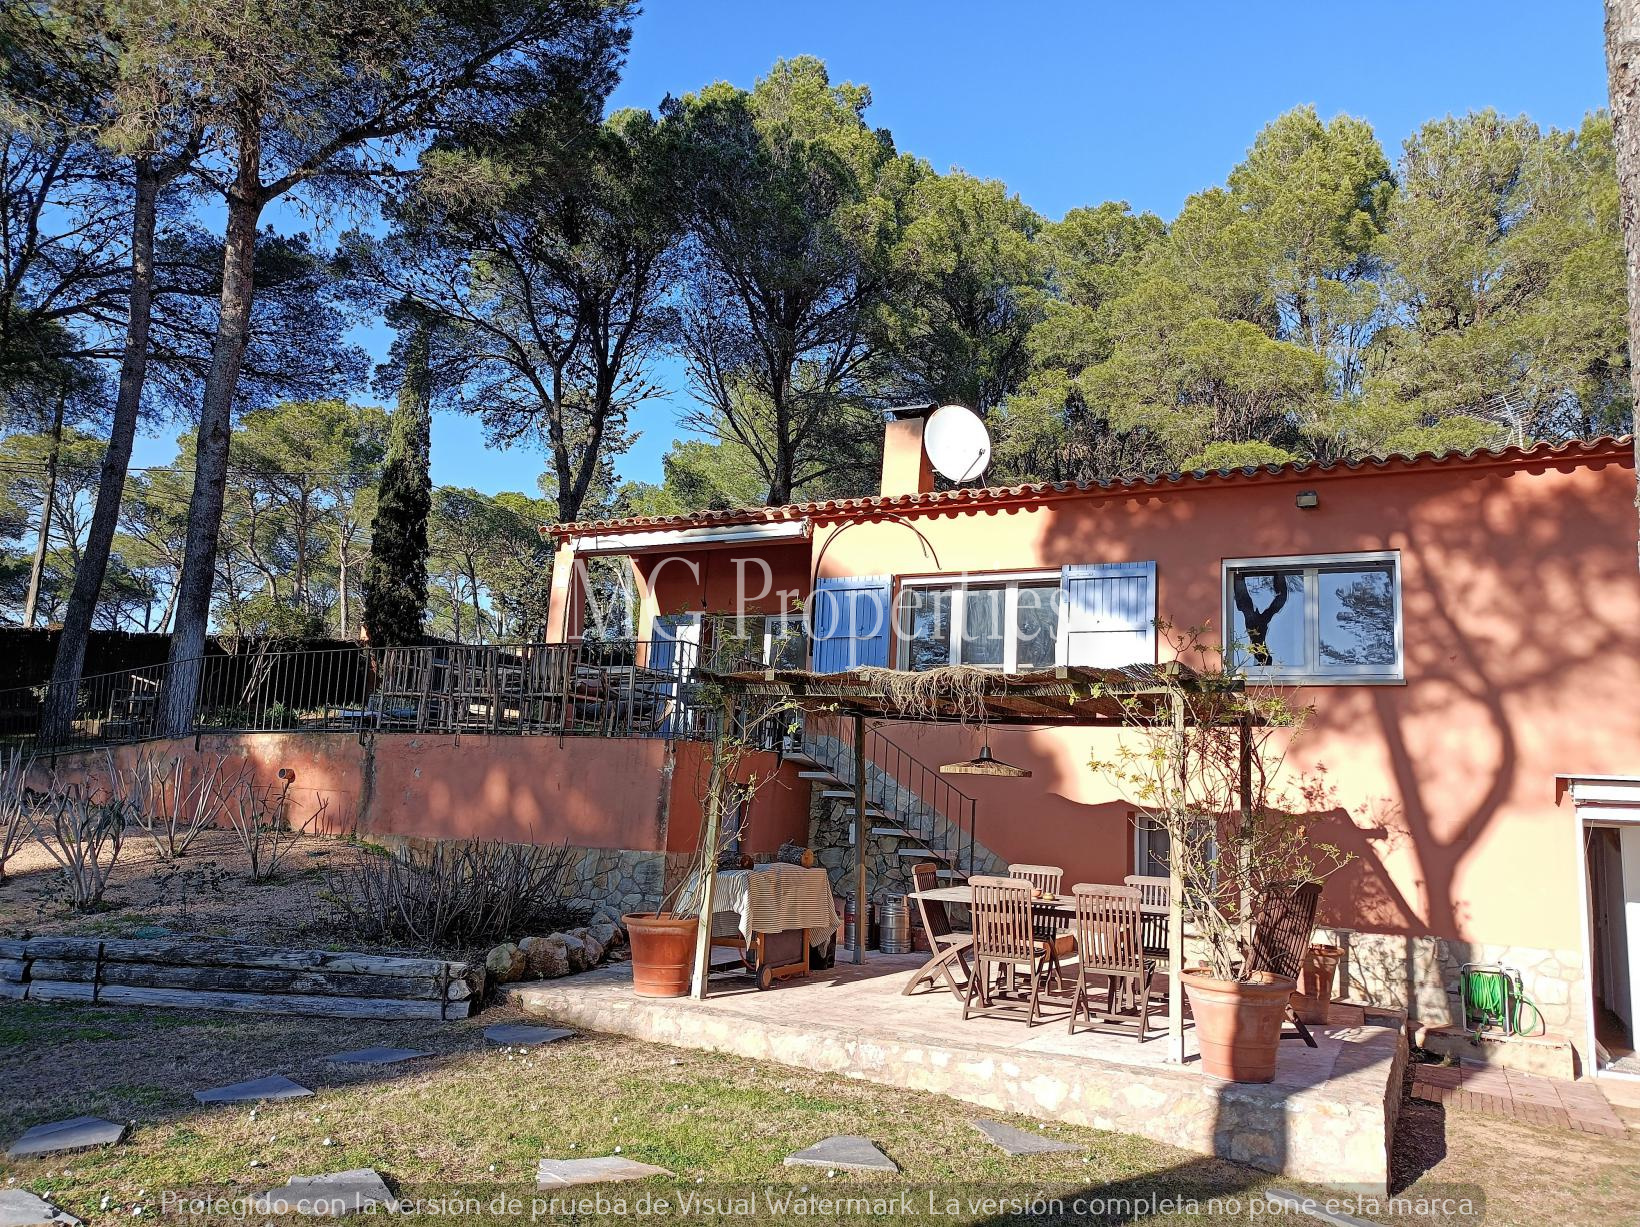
<point>626,688</point>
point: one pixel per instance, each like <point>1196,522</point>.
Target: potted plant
<point>1203,758</point>
<point>663,952</point>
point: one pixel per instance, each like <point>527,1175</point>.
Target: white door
<point>1608,921</point>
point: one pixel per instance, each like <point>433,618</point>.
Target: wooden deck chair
<point>1283,922</point>
<point>948,946</point>
<point>1004,940</point>
<point>1109,941</point>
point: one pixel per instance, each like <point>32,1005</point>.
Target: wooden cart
<point>770,957</point>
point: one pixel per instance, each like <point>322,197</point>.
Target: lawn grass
<point>473,1120</point>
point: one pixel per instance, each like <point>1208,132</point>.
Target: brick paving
<point>1578,1106</point>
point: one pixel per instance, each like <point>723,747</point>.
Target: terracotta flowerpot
<point>663,952</point>
<point>1238,1024</point>
<point>1313,1000</point>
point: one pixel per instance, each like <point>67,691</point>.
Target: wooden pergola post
<point>862,908</point>
<point>714,830</point>
<point>1175,912</point>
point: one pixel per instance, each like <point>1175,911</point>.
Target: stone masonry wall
<point>616,880</point>
<point>890,873</point>
<point>1420,976</point>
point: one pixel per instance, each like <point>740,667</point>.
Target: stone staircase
<point>913,814</point>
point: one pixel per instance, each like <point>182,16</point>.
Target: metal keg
<point>894,922</point>
<point>851,919</point>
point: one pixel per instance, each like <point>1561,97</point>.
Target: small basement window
<point>1333,618</point>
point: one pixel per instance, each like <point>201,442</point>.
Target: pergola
<point>1068,695</point>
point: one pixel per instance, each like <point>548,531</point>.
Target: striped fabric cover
<point>772,899</point>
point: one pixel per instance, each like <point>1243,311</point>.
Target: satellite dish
<point>957,443</point>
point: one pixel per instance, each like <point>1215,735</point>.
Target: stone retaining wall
<point>1419,974</point>
<point>615,880</point>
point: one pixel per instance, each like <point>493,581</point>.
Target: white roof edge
<point>644,540</point>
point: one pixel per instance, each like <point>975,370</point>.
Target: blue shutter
<point>1110,614</point>
<point>851,622</point>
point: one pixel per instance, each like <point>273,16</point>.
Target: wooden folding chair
<point>1004,939</point>
<point>948,946</point>
<point>1058,942</point>
<point>1109,942</point>
<point>1153,925</point>
<point>1283,922</point>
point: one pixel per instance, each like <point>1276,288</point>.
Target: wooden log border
<point>208,975</point>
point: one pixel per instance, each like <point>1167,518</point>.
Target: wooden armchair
<point>1109,942</point>
<point>1004,940</point>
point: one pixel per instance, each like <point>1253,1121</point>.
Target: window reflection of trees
<point>1358,619</point>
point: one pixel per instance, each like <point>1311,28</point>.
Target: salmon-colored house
<point>1466,629</point>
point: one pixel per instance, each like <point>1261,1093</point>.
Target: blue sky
<point>1072,104</point>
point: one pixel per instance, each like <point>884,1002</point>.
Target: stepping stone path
<point>375,1056</point>
<point>1020,1141</point>
<point>20,1208</point>
<point>556,1173</point>
<point>276,1087</point>
<point>330,1196</point>
<point>81,1133</point>
<point>847,1151</point>
<point>522,1033</point>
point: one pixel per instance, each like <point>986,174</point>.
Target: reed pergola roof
<point>1065,695</point>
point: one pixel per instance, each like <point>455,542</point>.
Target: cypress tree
<point>395,584</point>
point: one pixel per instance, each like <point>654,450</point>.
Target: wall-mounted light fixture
<point>1307,499</point>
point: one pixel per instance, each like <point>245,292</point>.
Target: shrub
<point>457,893</point>
<point>172,809</point>
<point>262,822</point>
<point>75,826</point>
<point>15,804</point>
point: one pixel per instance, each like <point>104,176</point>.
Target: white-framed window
<point>1327,618</point>
<point>1150,844</point>
<point>1009,622</point>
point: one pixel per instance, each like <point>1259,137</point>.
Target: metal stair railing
<point>915,797</point>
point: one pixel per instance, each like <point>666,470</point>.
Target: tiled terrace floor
<point>1579,1106</point>
<point>1327,1116</point>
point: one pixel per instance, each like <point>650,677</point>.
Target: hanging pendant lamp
<point>985,765</point>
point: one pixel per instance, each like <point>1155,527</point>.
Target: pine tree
<point>395,585</point>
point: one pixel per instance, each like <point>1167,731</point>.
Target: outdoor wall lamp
<point>1307,499</point>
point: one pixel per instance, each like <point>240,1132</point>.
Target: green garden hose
<point>1492,996</point>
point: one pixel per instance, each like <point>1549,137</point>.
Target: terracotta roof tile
<point>1576,449</point>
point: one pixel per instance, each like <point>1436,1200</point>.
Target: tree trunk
<point>341,590</point>
<point>193,603</point>
<point>48,504</point>
<point>1623,80</point>
<point>58,713</point>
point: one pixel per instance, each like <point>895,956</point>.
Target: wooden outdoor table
<point>1059,906</point>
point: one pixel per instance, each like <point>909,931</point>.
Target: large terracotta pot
<point>1313,1000</point>
<point>663,952</point>
<point>1238,1024</point>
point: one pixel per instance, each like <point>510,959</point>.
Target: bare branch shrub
<point>261,820</point>
<point>76,825</point>
<point>16,802</point>
<point>1230,838</point>
<point>173,809</point>
<point>456,893</point>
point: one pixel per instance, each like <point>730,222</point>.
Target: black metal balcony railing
<point>623,688</point>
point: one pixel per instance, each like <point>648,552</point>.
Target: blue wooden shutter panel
<point>1110,614</point>
<point>851,622</point>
